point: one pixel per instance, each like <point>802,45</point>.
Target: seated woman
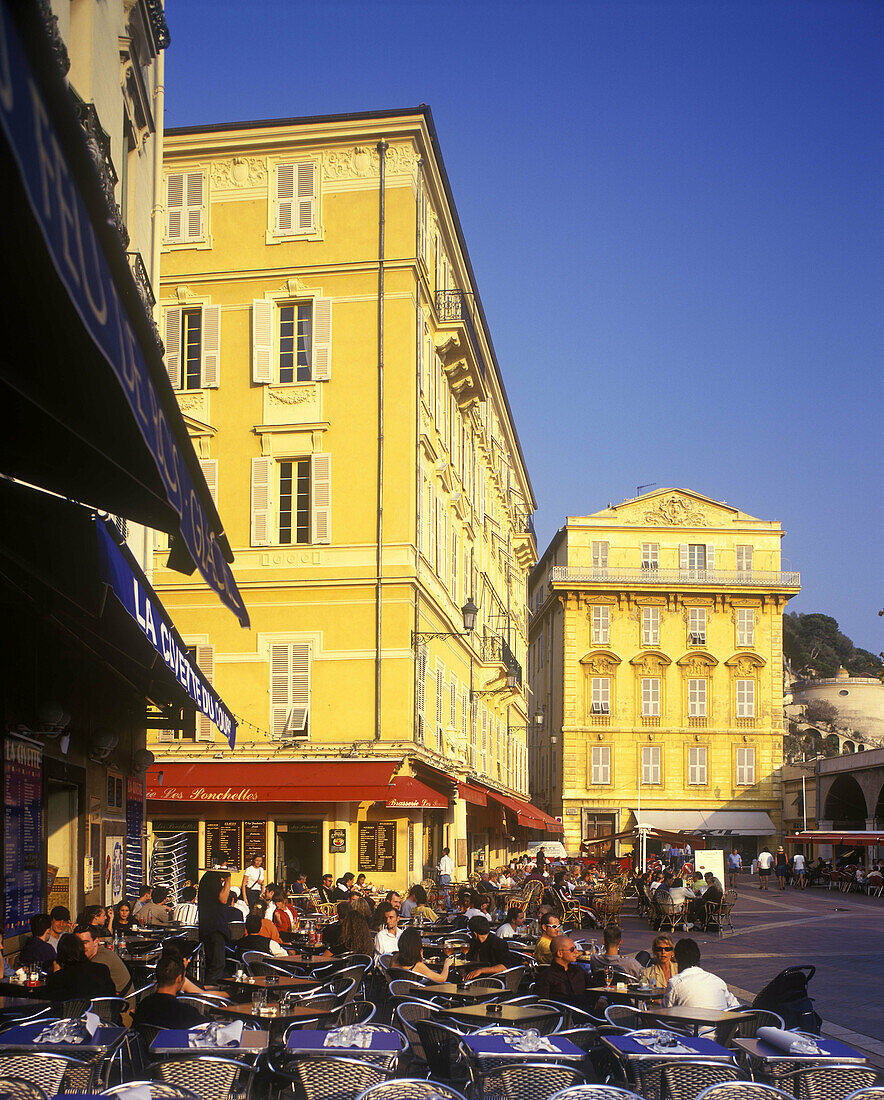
<point>352,936</point>
<point>410,958</point>
<point>658,972</point>
<point>284,916</point>
<point>122,922</point>
<point>77,976</point>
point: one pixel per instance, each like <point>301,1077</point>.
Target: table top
<point>832,1051</point>
<point>496,1046</point>
<point>175,1041</point>
<point>261,983</point>
<point>628,1048</point>
<point>311,960</point>
<point>21,1004</point>
<point>280,1012</point>
<point>631,991</point>
<point>709,1016</point>
<point>450,989</point>
<point>509,1014</point>
<point>23,1037</point>
<point>315,1041</point>
<point>16,989</point>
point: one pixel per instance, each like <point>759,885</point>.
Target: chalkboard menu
<point>224,843</point>
<point>23,834</point>
<point>255,834</point>
<point>377,846</point>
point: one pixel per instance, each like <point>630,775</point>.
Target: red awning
<point>474,795</point>
<point>867,839</point>
<point>526,814</point>
<point>408,793</point>
<point>287,781</point>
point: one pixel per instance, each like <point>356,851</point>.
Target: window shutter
<point>322,337</point>
<point>262,341</point>
<point>453,714</point>
<point>285,197</point>
<point>320,469</point>
<point>296,722</point>
<point>710,557</point>
<point>280,686</point>
<point>195,206</point>
<point>454,557</point>
<point>682,555</point>
<point>262,472</point>
<point>745,698</point>
<point>306,197</point>
<point>205,662</point>
<point>175,206</point>
<point>209,466</point>
<point>601,764</point>
<point>464,733</point>
<point>211,349</point>
<point>173,346</point>
<point>440,688</point>
<point>431,524</point>
<point>421,680</point>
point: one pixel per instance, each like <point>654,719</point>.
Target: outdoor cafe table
<point>175,1041</point>
<point>284,1013</point>
<point>281,985</point>
<point>450,989</point>
<point>495,1046</point>
<point>23,1037</point>
<point>679,1015</point>
<point>631,993</point>
<point>17,989</point>
<point>831,1052</point>
<point>24,1006</point>
<point>630,1050</point>
<point>513,1015</point>
<point>313,1042</point>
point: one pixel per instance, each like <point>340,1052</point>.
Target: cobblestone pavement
<point>842,935</point>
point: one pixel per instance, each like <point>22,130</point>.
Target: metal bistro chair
<point>595,1092</point>
<point>441,1045</point>
<point>512,978</point>
<point>744,1090</point>
<point>867,1094</point>
<point>830,1082</point>
<point>319,1079</point>
<point>683,1079</point>
<point>625,1018</point>
<point>16,1088</point>
<point>410,1088</point>
<point>746,1025</point>
<point>715,913</point>
<point>528,1080</point>
<point>405,1016</point>
<point>353,1012</point>
<point>47,1071</point>
<point>208,1076</point>
<point>109,1009</point>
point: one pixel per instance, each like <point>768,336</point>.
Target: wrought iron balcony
<point>458,305</point>
<point>99,145</point>
<point>709,578</point>
<point>141,280</point>
<point>494,650</point>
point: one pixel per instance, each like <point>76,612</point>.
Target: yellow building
<point>331,355</point>
<point>656,658</point>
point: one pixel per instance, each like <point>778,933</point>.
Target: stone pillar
<point>457,817</point>
<point>825,850</point>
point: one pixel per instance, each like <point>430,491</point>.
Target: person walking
<point>782,866</point>
<point>765,863</point>
<point>445,867</point>
<point>734,867</point>
<point>254,878</point>
<point>799,880</point>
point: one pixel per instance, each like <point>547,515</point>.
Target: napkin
<point>660,1042</point>
<point>526,1046</point>
<point>216,1035</point>
<point>788,1041</point>
<point>134,1092</point>
<point>70,1031</point>
<point>348,1037</point>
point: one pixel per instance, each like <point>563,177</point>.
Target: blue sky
<point>674,212</point>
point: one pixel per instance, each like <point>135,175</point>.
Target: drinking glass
<point>259,999</point>
<point>609,976</point>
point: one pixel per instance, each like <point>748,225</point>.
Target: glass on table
<point>259,1000</point>
<point>609,976</point>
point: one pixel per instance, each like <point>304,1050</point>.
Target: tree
<point>816,648</point>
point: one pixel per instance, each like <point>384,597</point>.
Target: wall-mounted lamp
<point>469,611</point>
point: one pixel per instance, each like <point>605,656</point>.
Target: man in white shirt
<point>185,912</point>
<point>800,871</point>
<point>694,987</point>
<point>515,918</point>
<point>387,940</point>
<point>445,867</point>
<point>253,880</point>
<point>679,893</point>
<point>765,863</point>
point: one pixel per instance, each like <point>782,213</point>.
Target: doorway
<point>61,845</point>
<point>299,849</point>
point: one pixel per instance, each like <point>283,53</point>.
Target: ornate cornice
<point>238,172</point>
<point>363,161</point>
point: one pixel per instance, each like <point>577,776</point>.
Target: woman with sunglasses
<point>658,972</point>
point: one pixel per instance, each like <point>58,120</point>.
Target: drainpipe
<point>158,226</point>
<point>382,151</point>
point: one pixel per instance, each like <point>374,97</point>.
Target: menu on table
<point>377,846</point>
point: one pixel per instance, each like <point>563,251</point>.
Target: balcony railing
<point>142,280</point>
<point>494,650</point>
<point>711,578</point>
<point>458,305</point>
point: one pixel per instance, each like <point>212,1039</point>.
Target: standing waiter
<point>253,878</point>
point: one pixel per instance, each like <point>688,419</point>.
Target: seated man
<point>622,964</point>
<point>486,949</point>
<point>300,887</point>
<point>562,980</point>
<point>694,987</point>
<point>162,1008</point>
<point>78,976</point>
<point>515,918</point>
<point>59,923</point>
<point>549,928</point>
<point>38,949</point>
<point>185,911</point>
<point>97,952</point>
<point>326,890</point>
<point>253,940</point>
<point>156,912</point>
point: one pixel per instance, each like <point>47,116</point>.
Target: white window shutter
<point>262,341</point>
<point>421,680</point>
<point>322,338</point>
<point>164,736</point>
<point>440,689</point>
<point>205,662</point>
<point>452,717</point>
<point>280,688</point>
<point>211,349</point>
<point>175,206</point>
<point>285,197</point>
<point>710,557</point>
<point>173,346</point>
<point>195,196</point>
<point>296,722</point>
<point>306,196</point>
<point>320,496</point>
<point>209,466</point>
<point>682,555</point>
<point>262,472</point>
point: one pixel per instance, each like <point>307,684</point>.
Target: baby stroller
<point>787,995</point>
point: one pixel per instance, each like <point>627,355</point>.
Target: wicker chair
<point>715,913</point>
<point>16,1088</point>
<point>47,1071</point>
<point>744,1090</point>
<point>608,906</point>
<point>874,1093</point>
<point>746,1025</point>
<point>109,1009</point>
<point>531,895</point>
<point>526,1080</point>
<point>684,1079</point>
<point>830,1082</point>
<point>411,1088</point>
<point>159,1090</point>
<point>353,1012</point>
<point>512,977</point>
<point>208,1076</point>
<point>73,1009</point>
<point>319,1079</point>
<point>595,1092</point>
<point>672,914</point>
<point>624,1017</point>
<point>440,1043</point>
<point>405,1016</point>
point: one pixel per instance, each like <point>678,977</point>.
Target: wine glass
<point>609,976</point>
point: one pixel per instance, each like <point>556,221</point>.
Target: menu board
<point>255,841</point>
<point>23,834</point>
<point>134,831</point>
<point>377,846</point>
<point>224,843</point>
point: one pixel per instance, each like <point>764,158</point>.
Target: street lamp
<point>469,611</point>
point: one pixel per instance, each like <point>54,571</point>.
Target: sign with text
<point>377,846</point>
<point>22,834</point>
<point>337,841</point>
<point>254,841</point>
<point>224,843</point>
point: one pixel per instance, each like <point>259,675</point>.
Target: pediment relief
<point>195,428</point>
<point>650,660</point>
<point>601,662</point>
<point>745,663</point>
<point>699,662</point>
<point>674,508</point>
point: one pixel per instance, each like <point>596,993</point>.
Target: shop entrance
<point>61,845</point>
<point>299,849</point>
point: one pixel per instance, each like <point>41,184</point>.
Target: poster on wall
<point>113,870</point>
<point>134,831</point>
<point>22,835</point>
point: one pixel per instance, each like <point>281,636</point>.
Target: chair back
<point>830,1082</point>
<point>405,1016</point>
<point>746,1025</point>
<point>17,1088</point>
<point>404,987</point>
<point>353,1012</point>
<point>47,1071</point>
<point>684,1079</point>
<point>410,1088</point>
<point>512,977</point>
<point>624,1017</point>
<point>528,1080</point>
<point>745,1090</point>
<point>207,1076</point>
<point>867,1094</point>
<point>73,1009</point>
<point>109,1009</point>
<point>320,1079</point>
<point>595,1092</point>
<point>158,1090</point>
<point>440,1043</point>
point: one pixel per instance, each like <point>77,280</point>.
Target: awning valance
<point>408,793</point>
<point>474,795</point>
<point>859,839</point>
<point>86,407</point>
<point>709,822</point>
<point>197,782</point>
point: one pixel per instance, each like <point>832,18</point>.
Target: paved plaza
<point>842,935</point>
